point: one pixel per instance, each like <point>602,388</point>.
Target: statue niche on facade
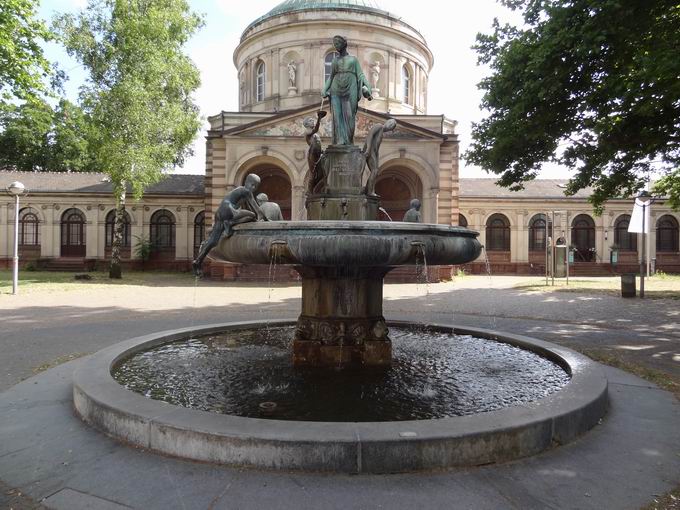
<point>371,151</point>
<point>375,78</point>
<point>345,87</point>
<point>239,206</point>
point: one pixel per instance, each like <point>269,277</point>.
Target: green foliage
<point>591,84</point>
<point>23,68</point>
<point>139,91</point>
<point>36,137</point>
<point>669,186</point>
<point>143,249</point>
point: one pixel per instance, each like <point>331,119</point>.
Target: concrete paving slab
<point>68,499</point>
<point>620,464</point>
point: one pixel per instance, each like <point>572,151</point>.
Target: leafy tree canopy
<point>34,136</point>
<point>590,84</point>
<point>139,90</point>
<point>23,68</point>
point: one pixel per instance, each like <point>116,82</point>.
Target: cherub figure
<point>315,173</point>
<point>230,213</point>
<point>371,151</point>
<point>271,210</point>
<point>413,214</point>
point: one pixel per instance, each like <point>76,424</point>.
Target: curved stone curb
<point>376,447</point>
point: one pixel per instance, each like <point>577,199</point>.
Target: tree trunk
<point>115,269</point>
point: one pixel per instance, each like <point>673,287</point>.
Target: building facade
<point>282,61</point>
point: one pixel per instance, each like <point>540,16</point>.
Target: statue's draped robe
<point>344,86</point>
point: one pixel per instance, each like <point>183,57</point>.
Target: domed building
<point>283,60</point>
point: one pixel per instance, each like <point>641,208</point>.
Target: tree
<point>591,84</point>
<point>36,137</point>
<point>23,68</point>
<point>138,93</point>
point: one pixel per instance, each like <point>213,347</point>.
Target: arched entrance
<point>276,185</point>
<point>397,186</point>
<point>583,238</point>
<point>73,233</point>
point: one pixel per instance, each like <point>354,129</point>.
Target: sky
<point>450,32</point>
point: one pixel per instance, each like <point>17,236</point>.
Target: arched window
<point>583,238</point>
<point>73,233</point>
<point>626,241</point>
<point>406,84</point>
<point>537,232</point>
<point>162,235</point>
<point>199,231</point>
<point>667,234</point>
<point>260,74</point>
<point>110,230</point>
<point>462,221</point>
<point>328,64</point>
<point>29,227</point>
<point>497,233</point>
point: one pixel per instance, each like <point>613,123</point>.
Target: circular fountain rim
<point>371,447</point>
<point>391,227</point>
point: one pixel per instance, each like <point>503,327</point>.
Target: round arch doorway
<point>397,186</point>
<point>73,233</point>
<point>276,184</point>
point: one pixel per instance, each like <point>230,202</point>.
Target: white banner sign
<point>636,222</point>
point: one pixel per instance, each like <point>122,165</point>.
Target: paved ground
<point>39,328</point>
<point>44,328</point>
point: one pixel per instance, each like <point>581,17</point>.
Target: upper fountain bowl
<point>348,243</point>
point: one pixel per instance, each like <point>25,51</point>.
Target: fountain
<point>341,345</point>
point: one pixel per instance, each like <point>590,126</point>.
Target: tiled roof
<point>538,188</point>
<point>81,182</point>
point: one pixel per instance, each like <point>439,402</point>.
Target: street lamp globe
<point>16,188</point>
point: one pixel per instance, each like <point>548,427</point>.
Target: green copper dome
<point>291,6</point>
<point>298,5</point>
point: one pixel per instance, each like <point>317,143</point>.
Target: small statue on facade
<point>271,210</point>
<point>315,174</point>
<point>413,214</point>
<point>242,86</point>
<point>375,77</point>
<point>230,213</point>
<point>292,71</point>
<point>371,151</point>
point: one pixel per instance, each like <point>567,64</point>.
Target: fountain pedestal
<point>342,197</point>
<point>341,324</point>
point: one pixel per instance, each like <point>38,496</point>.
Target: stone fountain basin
<point>341,447</point>
<point>345,243</point>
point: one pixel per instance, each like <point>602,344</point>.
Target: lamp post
<point>645,201</point>
<point>16,189</point>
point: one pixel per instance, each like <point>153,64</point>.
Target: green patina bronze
<point>345,87</point>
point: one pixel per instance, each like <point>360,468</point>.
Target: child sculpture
<point>230,213</point>
<point>371,151</point>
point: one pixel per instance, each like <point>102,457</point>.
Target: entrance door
<point>73,233</point>
<point>583,238</point>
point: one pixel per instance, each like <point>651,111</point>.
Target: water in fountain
<point>434,374</point>
<point>382,210</point>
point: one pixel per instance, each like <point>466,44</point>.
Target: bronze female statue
<point>345,86</point>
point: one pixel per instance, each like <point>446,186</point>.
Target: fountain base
<point>337,346</point>
<point>341,324</point>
